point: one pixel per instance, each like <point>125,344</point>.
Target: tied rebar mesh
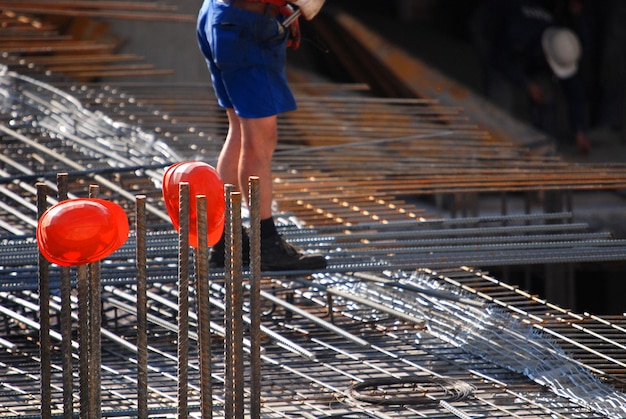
<point>368,231</point>
<point>36,105</point>
<point>496,336</point>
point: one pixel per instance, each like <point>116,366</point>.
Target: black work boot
<point>278,255</point>
<point>217,253</point>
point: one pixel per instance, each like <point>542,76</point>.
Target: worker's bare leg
<point>250,144</point>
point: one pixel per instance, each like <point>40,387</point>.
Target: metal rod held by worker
<point>292,18</point>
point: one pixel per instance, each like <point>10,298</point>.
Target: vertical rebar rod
<point>255,297</point>
<point>183,300</point>
<point>203,309</point>
<point>234,363</point>
<point>228,305</point>
<point>66,319</point>
<point>95,323</point>
<point>142,308</point>
<point>45,341</point>
<point>238,351</point>
<point>82,288</point>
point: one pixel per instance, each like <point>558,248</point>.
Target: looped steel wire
<point>410,390</point>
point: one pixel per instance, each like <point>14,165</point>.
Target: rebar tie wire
<point>497,337</point>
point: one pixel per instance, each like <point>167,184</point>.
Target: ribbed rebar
<point>363,209</point>
<point>95,324</point>
<point>142,308</point>
<point>229,310</point>
<point>43,277</point>
<point>82,288</point>
<point>254,201</point>
<point>203,309</point>
<point>66,320</point>
<point>183,300</point>
<point>237,306</point>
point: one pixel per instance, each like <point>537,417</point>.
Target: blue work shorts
<point>246,55</point>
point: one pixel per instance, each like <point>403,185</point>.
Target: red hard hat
<point>80,231</point>
<point>203,179</point>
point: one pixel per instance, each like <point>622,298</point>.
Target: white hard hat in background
<point>562,50</point>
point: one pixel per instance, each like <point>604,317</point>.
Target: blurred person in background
<point>520,44</point>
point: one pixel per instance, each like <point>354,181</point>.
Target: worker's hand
<point>309,8</point>
<point>293,41</point>
<point>536,93</point>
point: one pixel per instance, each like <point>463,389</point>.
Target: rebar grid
<point>501,338</point>
<point>345,170</point>
<point>392,349</point>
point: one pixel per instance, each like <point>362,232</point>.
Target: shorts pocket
<point>229,45</point>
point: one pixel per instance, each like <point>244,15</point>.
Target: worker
<point>611,66</point>
<point>519,42</point>
<point>244,43</point>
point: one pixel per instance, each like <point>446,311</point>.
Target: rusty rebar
<point>234,312</point>
<point>254,201</point>
<point>183,301</point>
<point>95,324</point>
<point>142,308</point>
<point>229,240</point>
<point>82,287</point>
<point>66,319</point>
<point>203,309</point>
<point>45,342</point>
